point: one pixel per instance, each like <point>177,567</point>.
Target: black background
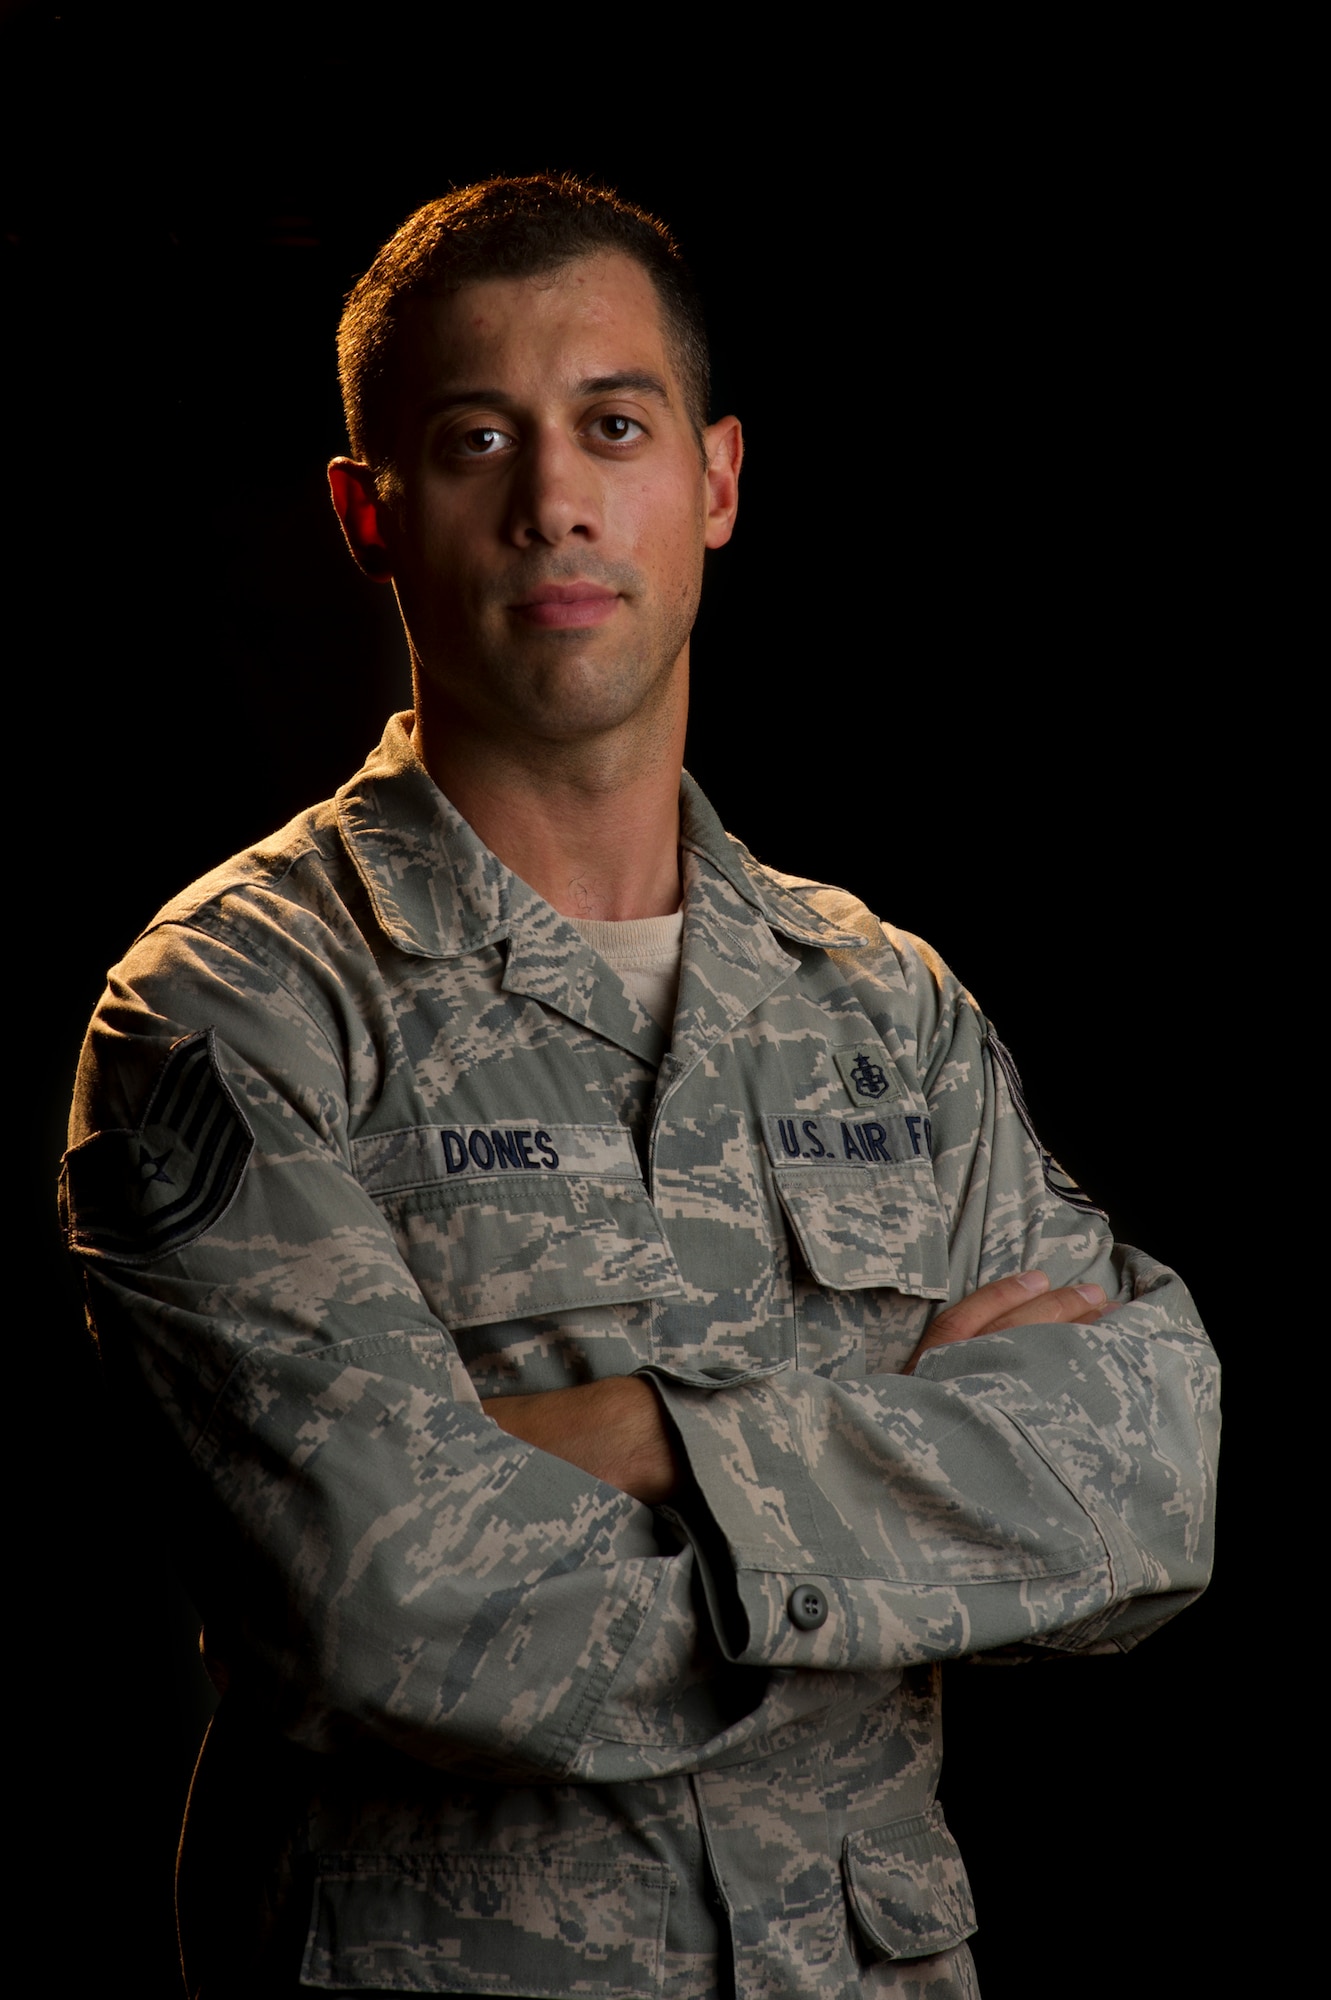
<point>988,333</point>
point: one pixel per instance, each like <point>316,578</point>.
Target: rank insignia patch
<point>1056,1178</point>
<point>868,1074</point>
<point>136,1196</point>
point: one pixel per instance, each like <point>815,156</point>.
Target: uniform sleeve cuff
<point>769,1601</point>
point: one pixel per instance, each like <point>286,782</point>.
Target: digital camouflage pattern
<point>364,1132</point>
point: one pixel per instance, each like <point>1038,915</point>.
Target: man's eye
<point>483,442</point>
<point>618,430</point>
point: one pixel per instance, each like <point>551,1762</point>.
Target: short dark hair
<point>503,228</point>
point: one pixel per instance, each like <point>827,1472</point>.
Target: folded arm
<point>375,1558</point>
<point>1050,1484</point>
<point>618,1431</point>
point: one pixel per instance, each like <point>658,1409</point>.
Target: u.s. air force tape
<point>794,1140</point>
<point>421,1155</point>
<point>136,1196</point>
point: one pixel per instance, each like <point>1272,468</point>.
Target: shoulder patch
<point>1056,1179</point>
<point>136,1196</point>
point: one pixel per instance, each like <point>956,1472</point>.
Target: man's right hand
<point>616,1429</point>
<point>1019,1301</point>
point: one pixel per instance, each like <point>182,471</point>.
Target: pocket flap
<point>868,1226</point>
<point>487,1923</point>
<point>508,1223</point>
<point>907,1886</point>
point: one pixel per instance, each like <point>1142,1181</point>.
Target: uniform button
<point>807,1608</point>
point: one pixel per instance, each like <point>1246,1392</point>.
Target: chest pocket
<point>507,1223</point>
<point>857,1230</point>
<point>861,1204</point>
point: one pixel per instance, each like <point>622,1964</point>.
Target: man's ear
<point>361,513</point>
<point>723,443</point>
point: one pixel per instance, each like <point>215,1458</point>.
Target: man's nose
<point>555,492</point>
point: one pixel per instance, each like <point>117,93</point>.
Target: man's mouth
<point>555,605</point>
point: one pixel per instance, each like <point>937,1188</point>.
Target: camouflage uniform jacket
<point>364,1132</point>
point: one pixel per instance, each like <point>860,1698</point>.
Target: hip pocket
<point>906,1886</point>
<point>487,1924</point>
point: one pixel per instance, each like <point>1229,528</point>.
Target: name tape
<point>421,1155</point>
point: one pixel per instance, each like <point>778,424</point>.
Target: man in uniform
<point>602,1311</point>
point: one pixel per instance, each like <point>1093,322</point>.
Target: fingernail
<point>1092,1294</point>
<point>1033,1281</point>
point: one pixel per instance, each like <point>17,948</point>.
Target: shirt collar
<point>438,891</point>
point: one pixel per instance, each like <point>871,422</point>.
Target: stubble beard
<point>565,686</point>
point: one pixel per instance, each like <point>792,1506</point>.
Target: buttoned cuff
<point>771,1604</point>
<point>825,1540</point>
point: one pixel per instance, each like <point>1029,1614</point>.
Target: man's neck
<point>593,828</point>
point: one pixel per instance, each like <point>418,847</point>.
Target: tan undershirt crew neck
<point>645,952</point>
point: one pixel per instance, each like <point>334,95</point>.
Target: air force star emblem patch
<point>136,1196</point>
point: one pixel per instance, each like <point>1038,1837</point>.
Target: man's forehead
<point>595,315</point>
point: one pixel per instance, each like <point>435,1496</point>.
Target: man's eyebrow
<point>462,399</point>
<point>633,380</point>
<point>642,383</point>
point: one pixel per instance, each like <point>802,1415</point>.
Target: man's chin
<point>578,717</point>
<point>558,685</point>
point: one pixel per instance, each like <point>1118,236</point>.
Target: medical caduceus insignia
<point>870,1080</point>
<point>867,1073</point>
